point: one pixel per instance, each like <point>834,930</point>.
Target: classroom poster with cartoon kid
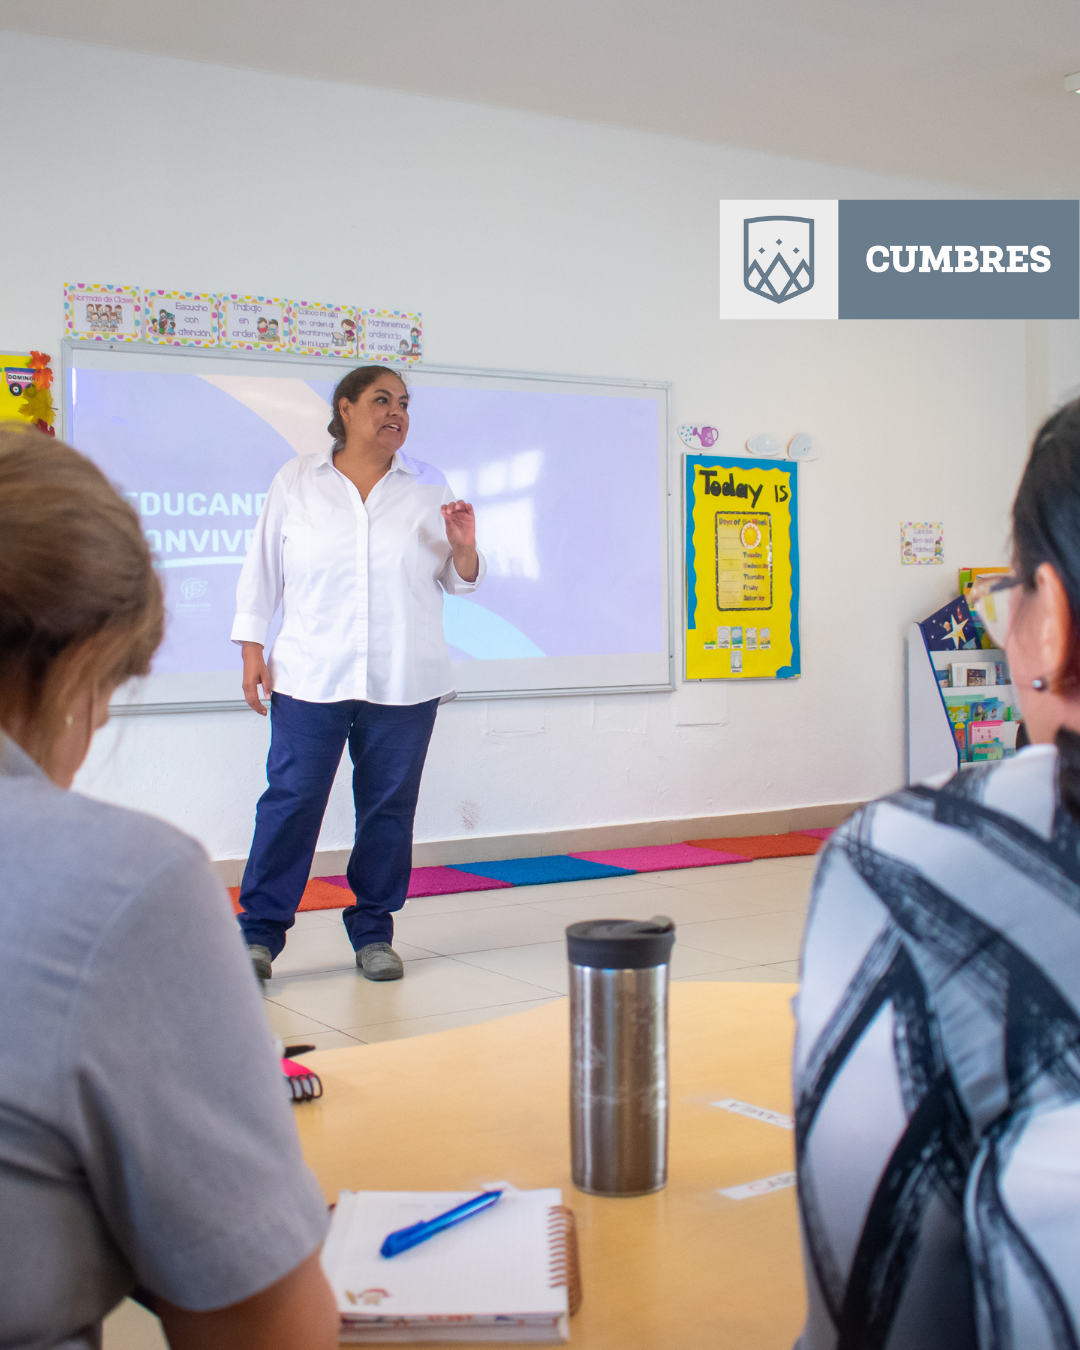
<point>742,569</point>
<point>252,323</point>
<point>391,335</point>
<point>323,330</point>
<point>96,313</point>
<point>182,318</point>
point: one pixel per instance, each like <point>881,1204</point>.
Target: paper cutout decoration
<point>18,377</point>
<point>742,569</point>
<point>181,318</point>
<point>253,323</point>
<point>802,446</point>
<point>94,313</point>
<point>765,446</point>
<point>26,390</point>
<point>701,438</point>
<point>922,543</point>
<point>324,330</point>
<point>391,335</point>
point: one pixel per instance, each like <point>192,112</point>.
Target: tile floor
<point>485,954</point>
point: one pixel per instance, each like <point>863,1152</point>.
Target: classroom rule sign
<point>742,569</point>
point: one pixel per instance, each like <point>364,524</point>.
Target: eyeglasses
<point>993,599</point>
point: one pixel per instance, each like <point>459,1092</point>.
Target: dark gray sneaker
<point>379,961</point>
<point>260,960</point>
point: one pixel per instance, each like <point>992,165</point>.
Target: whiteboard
<point>568,475</point>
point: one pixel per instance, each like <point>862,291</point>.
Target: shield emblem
<point>778,256</point>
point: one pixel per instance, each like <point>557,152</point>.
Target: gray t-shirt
<point>145,1132</point>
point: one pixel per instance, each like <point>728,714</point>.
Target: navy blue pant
<point>388,745</point>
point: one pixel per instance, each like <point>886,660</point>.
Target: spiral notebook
<point>507,1274</point>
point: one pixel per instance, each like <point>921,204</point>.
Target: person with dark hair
<point>937,1062</point>
<point>357,545</point>
<point>145,1134</point>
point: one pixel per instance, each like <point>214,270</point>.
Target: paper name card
<point>780,1182</point>
<point>252,323</point>
<point>95,313</point>
<point>392,335</point>
<point>324,330</point>
<point>181,318</point>
<point>761,1113</point>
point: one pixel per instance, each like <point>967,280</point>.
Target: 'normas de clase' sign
<point>814,259</point>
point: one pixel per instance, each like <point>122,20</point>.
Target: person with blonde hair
<point>145,1135</point>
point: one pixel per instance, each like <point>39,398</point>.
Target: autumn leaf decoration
<point>40,365</point>
<point>37,403</point>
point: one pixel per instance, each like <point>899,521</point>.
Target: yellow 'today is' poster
<point>742,569</point>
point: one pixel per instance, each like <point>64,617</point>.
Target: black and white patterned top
<point>937,1070</point>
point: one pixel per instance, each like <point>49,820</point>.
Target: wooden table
<point>683,1268</point>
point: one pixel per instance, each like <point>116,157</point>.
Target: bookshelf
<point>932,748</point>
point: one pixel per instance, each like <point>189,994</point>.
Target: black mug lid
<point>621,944</point>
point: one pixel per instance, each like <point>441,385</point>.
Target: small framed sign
<point>254,323</point>
<point>391,335</point>
<point>181,318</point>
<point>323,330</point>
<point>95,313</point>
<point>922,543</point>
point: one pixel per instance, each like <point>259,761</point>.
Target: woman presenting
<point>356,544</point>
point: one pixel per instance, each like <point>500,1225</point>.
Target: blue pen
<point>403,1238</point>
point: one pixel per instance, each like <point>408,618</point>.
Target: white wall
<point>534,244</point>
<point>1062,362</point>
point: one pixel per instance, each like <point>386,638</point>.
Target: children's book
<point>958,720</point>
<point>985,741</point>
<point>987,710</point>
<point>950,628</point>
<point>972,674</point>
<point>967,577</point>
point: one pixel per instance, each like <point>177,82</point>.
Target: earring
<point>1040,685</point>
<point>70,720</point>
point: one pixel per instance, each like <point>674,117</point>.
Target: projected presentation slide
<point>565,485</point>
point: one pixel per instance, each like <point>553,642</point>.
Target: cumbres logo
<point>778,256</point>
<point>1012,258</point>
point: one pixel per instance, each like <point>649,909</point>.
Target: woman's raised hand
<point>256,673</point>
<point>461,534</point>
<point>460,525</point>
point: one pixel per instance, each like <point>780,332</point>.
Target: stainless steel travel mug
<point>619,1054</point>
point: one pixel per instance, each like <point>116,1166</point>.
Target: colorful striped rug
<point>334,893</point>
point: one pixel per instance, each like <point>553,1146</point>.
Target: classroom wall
<point>529,243</point>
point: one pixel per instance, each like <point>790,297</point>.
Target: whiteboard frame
<point>69,346</point>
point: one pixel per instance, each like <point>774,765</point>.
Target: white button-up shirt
<point>358,583</point>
